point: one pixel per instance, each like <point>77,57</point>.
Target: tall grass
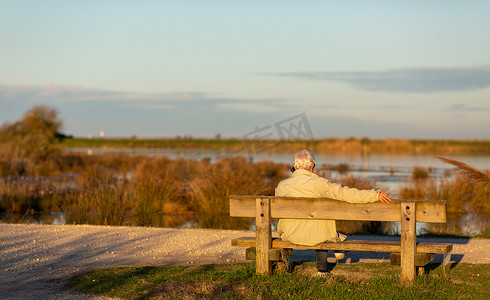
<point>457,190</point>
<point>143,191</point>
<point>210,189</point>
<point>468,202</point>
<point>116,189</point>
<point>20,194</point>
<point>157,189</point>
<point>101,207</point>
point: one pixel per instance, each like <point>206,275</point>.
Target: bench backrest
<point>429,211</point>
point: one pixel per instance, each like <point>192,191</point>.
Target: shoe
<point>339,255</point>
<point>320,274</point>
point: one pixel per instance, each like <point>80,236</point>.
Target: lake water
<point>479,161</point>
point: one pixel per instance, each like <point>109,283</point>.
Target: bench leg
<point>284,265</point>
<point>263,236</point>
<point>421,259</point>
<point>445,262</point>
<point>408,241</point>
<point>274,254</point>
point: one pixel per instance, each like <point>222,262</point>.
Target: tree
<point>31,140</point>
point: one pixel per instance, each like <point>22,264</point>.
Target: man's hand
<point>383,198</point>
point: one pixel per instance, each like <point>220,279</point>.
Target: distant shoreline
<point>328,145</point>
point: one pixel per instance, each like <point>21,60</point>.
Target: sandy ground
<point>37,260</point>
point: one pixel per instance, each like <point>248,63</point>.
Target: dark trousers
<point>321,260</point>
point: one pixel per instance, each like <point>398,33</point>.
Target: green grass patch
<point>238,281</point>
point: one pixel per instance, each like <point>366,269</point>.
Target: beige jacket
<point>303,183</point>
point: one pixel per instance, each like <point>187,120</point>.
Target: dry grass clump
<point>117,189</point>
<point>124,190</point>
<point>468,206</point>
<point>468,201</point>
<point>101,206</point>
<point>158,189</point>
<point>472,176</point>
<point>420,173</point>
<point>458,192</point>
<point>211,188</point>
<point>20,194</point>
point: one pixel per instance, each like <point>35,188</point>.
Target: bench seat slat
<point>351,245</point>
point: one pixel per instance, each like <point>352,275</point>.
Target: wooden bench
<point>408,212</point>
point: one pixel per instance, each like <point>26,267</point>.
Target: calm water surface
<point>374,160</point>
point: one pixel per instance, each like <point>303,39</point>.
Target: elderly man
<point>304,183</point>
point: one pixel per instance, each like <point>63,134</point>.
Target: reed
<point>100,207</point>
<point>19,194</point>
<point>468,203</point>
<point>211,188</point>
<point>157,190</point>
<point>468,172</point>
<point>420,173</point>
<point>163,192</point>
<point>457,190</point>
<point>117,189</point>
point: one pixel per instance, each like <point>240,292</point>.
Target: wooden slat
<point>242,206</point>
<point>351,245</point>
<point>421,259</point>
<point>323,208</point>
<point>274,254</point>
<point>376,246</point>
<point>408,242</point>
<point>440,248</point>
<point>331,209</point>
<point>263,235</point>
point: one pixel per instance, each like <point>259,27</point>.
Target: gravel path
<point>36,260</point>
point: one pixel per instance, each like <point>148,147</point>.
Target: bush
<point>30,143</point>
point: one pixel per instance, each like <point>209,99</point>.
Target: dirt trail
<point>36,260</point>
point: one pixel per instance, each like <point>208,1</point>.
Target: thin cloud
<point>55,93</point>
<point>246,106</point>
<point>149,106</point>
<point>415,80</point>
<point>383,107</point>
<point>463,107</point>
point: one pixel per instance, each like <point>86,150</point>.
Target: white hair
<point>304,159</point>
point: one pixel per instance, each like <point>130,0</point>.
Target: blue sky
<point>382,69</point>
